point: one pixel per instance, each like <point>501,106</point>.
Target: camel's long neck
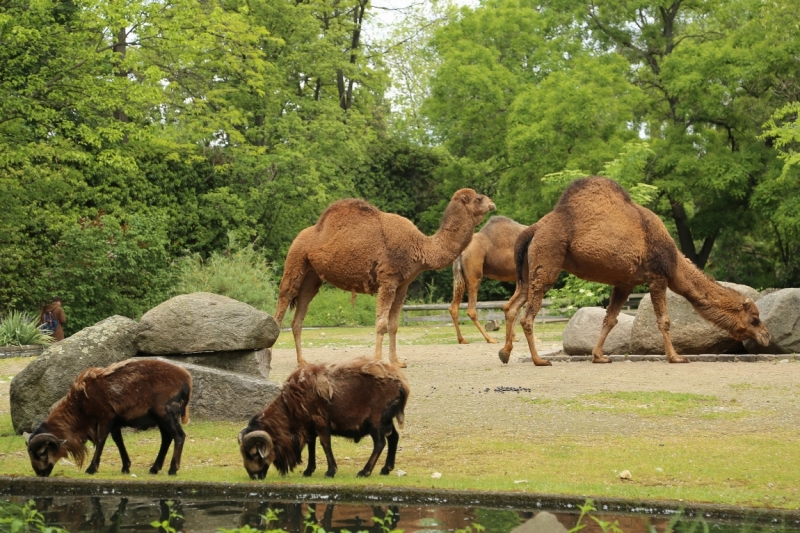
<point>455,233</point>
<point>711,300</point>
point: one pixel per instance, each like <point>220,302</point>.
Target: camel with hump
<point>491,255</point>
<point>597,233</point>
<point>358,248</point>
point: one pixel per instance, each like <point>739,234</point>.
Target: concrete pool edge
<point>375,495</point>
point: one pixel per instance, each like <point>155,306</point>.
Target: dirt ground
<point>453,388</point>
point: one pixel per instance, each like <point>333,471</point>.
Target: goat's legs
<point>658,295</point>
<point>618,298</point>
<point>308,289</point>
<point>101,434</point>
<point>393,438</point>
<point>179,437</point>
<point>378,443</point>
<point>116,434</point>
<point>166,440</point>
<point>312,456</point>
<point>325,439</point>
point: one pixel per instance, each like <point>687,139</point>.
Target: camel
<point>490,254</point>
<point>358,248</point>
<point>597,233</point>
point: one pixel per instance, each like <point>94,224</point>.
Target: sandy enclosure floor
<point>453,390</point>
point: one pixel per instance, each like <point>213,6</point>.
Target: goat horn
<point>254,438</point>
<point>242,433</point>
<point>44,438</point>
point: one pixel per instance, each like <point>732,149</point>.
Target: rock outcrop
<point>583,330</point>
<point>48,378</point>
<point>780,312</point>
<point>690,333</point>
<point>204,322</point>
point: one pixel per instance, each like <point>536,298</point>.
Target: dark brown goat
<point>349,399</point>
<point>138,393</point>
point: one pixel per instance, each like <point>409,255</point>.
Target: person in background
<point>53,318</point>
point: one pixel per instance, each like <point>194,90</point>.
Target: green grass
<point>754,470</point>
<point>407,335</point>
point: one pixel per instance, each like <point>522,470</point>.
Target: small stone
<point>783,361</point>
<point>436,475</point>
<point>67,463</point>
<point>659,469</point>
<point>133,475</point>
<point>625,475</point>
<point>401,473</point>
<point>518,481</point>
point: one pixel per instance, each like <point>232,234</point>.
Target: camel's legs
<point>618,298</point>
<point>383,307</point>
<point>308,289</point>
<point>511,310</point>
<point>394,323</point>
<point>459,284</point>
<point>658,295</point>
<point>472,311</point>
<point>294,273</point>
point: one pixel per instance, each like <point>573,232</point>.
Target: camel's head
<point>747,324</point>
<point>478,204</point>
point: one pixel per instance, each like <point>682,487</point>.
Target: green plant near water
<point>240,273</point>
<point>20,329</point>
<point>23,519</point>
<point>166,524</point>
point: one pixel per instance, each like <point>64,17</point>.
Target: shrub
<point>332,307</point>
<point>577,293</point>
<point>20,329</point>
<point>241,274</point>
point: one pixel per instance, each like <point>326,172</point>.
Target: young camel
<point>357,248</point>
<point>598,234</point>
<point>490,254</point>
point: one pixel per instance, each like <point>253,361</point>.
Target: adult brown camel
<point>356,247</point>
<point>598,234</point>
<point>491,255</point>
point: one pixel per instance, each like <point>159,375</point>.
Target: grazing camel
<point>490,254</point>
<point>356,247</point>
<point>598,234</point>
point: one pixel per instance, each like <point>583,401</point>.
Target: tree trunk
<point>686,240</point>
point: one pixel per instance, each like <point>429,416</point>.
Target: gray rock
<point>780,312</point>
<point>221,395</point>
<point>48,378</point>
<point>690,333</point>
<point>255,363</point>
<point>204,322</point>
<point>543,522</point>
<point>584,327</point>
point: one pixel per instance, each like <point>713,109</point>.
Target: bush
<point>577,293</point>
<point>332,307</point>
<point>21,329</point>
<point>241,274</point>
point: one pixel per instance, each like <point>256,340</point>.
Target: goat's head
<point>45,449</point>
<point>257,451</point>
<point>747,324</point>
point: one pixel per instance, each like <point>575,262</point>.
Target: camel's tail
<point>521,246</point>
<point>459,283</point>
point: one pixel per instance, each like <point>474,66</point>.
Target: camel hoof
<point>491,340</point>
<point>301,362</point>
<point>504,355</point>
<point>399,364</point>
<point>679,359</point>
<point>463,341</point>
<point>599,360</point>
<point>542,362</point>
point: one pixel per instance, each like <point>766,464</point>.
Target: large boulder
<point>254,363</point>
<point>584,327</point>
<point>780,312</point>
<point>690,333</point>
<point>221,395</point>
<point>48,378</point>
<point>204,322</point>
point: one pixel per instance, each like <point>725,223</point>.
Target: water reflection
<point>107,514</point>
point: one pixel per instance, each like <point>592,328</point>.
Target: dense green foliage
<point>134,136</point>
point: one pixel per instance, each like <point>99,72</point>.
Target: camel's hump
<point>349,207</point>
<point>595,185</point>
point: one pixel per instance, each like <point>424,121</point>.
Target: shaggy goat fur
<point>138,393</point>
<point>351,399</point>
<point>597,233</point>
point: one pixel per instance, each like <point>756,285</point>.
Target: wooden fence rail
<point>494,311</point>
